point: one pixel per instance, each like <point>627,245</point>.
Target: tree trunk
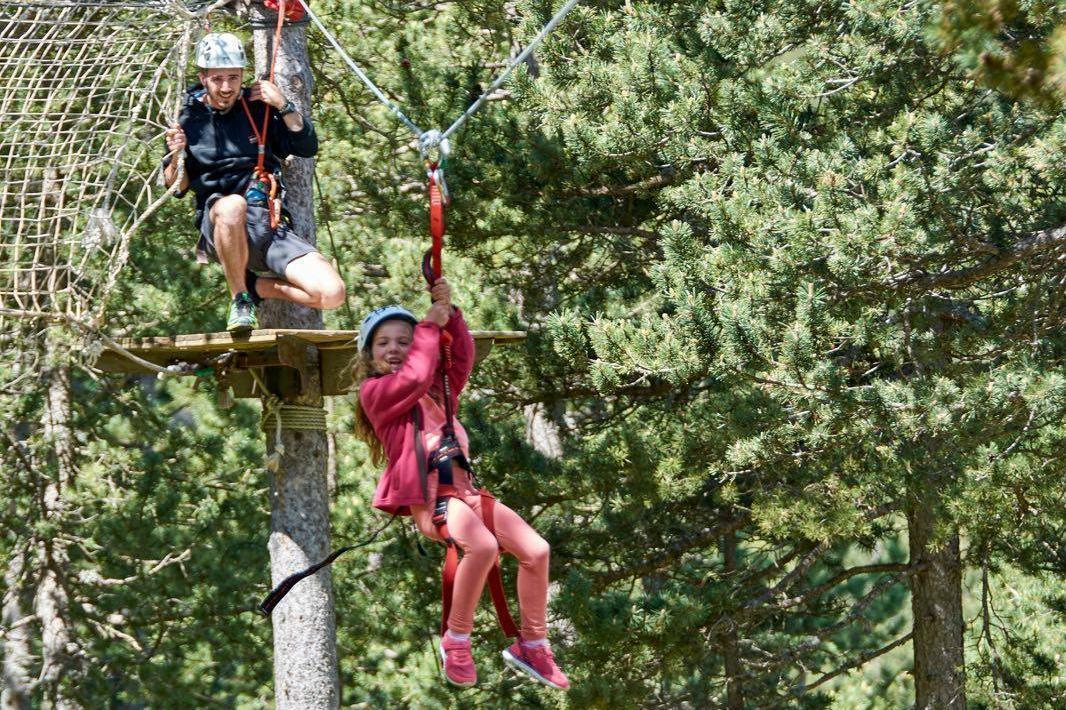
<point>936,603</point>
<point>542,433</point>
<point>52,602</point>
<point>733,670</point>
<point>18,658</point>
<point>305,654</point>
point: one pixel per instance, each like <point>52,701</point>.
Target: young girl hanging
<point>405,413</point>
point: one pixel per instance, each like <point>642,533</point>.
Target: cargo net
<point>86,92</point>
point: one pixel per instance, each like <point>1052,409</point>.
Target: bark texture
<point>542,433</point>
<point>18,658</point>
<point>51,599</point>
<point>936,603</point>
<point>733,668</point>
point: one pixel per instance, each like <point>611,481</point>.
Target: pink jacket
<point>391,404</point>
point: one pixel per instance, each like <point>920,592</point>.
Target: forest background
<point>790,410</point>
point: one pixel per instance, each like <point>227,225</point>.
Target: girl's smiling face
<point>392,340</point>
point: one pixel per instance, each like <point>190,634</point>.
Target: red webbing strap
<point>436,222</point>
<point>433,269</point>
<point>260,171</point>
<point>499,599</point>
<point>451,565</point>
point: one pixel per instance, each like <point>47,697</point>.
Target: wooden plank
<point>337,350</point>
<point>263,339</point>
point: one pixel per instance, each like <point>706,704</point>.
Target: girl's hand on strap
<point>441,292</point>
<point>439,313</point>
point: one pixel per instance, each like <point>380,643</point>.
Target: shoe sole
<point>240,329</point>
<point>518,665</point>
<point>443,669</point>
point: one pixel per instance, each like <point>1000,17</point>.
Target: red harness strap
<point>451,565</point>
<point>260,172</point>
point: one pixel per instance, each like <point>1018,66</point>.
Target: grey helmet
<point>220,50</point>
<point>379,316</point>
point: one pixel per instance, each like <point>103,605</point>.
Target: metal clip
<point>434,147</point>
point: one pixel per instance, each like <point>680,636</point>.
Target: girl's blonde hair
<point>362,369</point>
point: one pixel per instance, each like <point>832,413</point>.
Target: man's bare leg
<point>309,280</point>
<point>228,218</point>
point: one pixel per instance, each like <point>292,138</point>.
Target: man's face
<point>223,86</point>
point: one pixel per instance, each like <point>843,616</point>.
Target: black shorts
<point>269,250</point>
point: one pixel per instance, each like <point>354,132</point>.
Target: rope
<point>326,211</point>
<point>435,138</point>
<point>281,415</point>
<point>294,416</point>
<point>119,259</point>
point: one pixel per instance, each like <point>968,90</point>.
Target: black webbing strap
<point>278,593</point>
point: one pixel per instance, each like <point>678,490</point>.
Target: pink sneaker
<point>538,663</point>
<point>458,663</point>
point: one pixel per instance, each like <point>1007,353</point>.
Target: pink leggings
<point>480,550</point>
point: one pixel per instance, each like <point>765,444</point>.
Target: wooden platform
<point>330,352</point>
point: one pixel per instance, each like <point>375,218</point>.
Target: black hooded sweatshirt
<point>222,147</point>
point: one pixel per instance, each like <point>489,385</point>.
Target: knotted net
<point>86,92</point>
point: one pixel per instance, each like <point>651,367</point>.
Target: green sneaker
<point>242,317</point>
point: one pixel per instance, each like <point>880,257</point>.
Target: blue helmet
<point>379,316</point>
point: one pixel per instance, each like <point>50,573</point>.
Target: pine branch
<point>824,587</point>
<point>854,663</point>
<point>651,183</point>
<point>620,231</point>
<point>1042,242</point>
<point>671,553</point>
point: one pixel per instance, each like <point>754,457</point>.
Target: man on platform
<point>239,213</point>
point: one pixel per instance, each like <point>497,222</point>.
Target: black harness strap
<point>278,593</point>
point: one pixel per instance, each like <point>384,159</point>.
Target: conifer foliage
<point>793,278</point>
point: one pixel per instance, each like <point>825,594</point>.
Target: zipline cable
<point>432,139</point>
<point>559,17</point>
<point>359,72</point>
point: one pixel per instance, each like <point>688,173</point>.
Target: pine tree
<point>799,275</point>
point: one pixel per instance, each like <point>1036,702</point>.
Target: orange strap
<point>436,223</point>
